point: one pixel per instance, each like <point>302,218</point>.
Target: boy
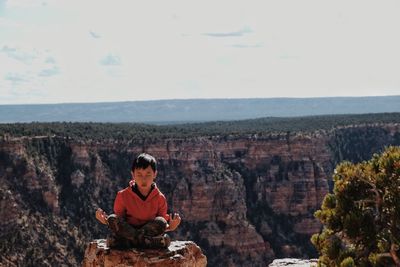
<point>140,210</point>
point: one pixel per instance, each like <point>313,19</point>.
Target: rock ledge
<point>179,253</point>
<point>293,263</point>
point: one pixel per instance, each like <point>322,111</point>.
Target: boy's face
<point>144,177</point>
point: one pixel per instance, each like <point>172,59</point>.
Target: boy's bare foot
<point>101,216</point>
<point>160,241</point>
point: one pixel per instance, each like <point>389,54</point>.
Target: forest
<point>138,131</point>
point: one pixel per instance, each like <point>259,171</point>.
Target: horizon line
<point>188,99</point>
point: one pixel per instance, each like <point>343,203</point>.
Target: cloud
<point>111,60</point>
<point>239,33</point>
<point>49,72</point>
<point>24,4</point>
<point>50,60</point>
<point>94,35</point>
<point>16,77</point>
<point>8,50</point>
<point>17,54</point>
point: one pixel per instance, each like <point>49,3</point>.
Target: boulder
<point>179,253</point>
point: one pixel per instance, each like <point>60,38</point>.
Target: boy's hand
<point>174,221</point>
<point>101,216</point>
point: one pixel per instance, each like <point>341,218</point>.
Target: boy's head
<point>143,161</point>
<point>144,170</point>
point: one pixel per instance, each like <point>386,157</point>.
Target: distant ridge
<point>197,110</point>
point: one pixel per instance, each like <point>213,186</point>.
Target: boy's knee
<point>161,222</point>
<point>155,227</point>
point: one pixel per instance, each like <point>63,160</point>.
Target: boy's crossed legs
<point>150,235</point>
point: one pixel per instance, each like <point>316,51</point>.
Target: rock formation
<point>179,254</point>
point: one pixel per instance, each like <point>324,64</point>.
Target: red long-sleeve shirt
<point>137,211</point>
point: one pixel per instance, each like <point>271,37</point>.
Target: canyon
<point>245,199</point>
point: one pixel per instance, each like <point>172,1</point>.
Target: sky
<point>54,51</point>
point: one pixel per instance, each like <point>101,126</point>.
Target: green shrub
<point>361,219</point>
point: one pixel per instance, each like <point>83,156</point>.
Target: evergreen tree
<point>362,217</point>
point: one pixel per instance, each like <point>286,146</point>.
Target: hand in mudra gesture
<point>101,216</point>
<point>174,221</point>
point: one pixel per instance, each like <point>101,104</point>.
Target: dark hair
<point>143,161</point>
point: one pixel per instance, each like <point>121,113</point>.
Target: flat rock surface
<point>293,263</point>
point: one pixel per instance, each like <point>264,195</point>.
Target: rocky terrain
<point>244,199</point>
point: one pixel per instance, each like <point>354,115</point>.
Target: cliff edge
<point>179,253</point>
